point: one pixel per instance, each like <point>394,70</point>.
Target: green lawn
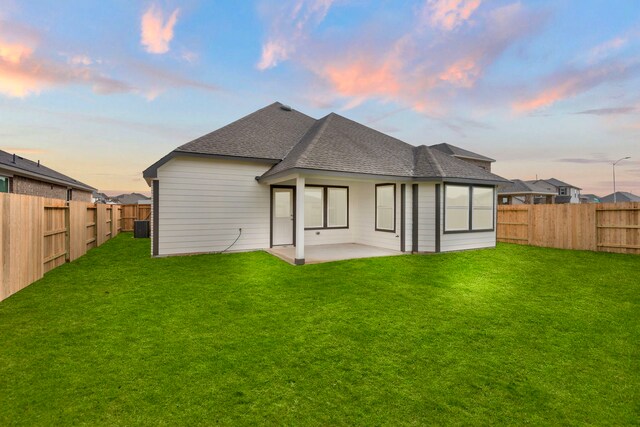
<point>511,335</point>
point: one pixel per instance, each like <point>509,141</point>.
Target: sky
<point>100,90</point>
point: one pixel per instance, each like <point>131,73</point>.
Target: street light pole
<point>614,176</point>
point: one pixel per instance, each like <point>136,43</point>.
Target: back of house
<point>278,177</point>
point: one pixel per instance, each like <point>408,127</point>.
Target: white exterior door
<point>283,220</point>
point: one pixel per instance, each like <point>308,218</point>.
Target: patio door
<point>283,216</point>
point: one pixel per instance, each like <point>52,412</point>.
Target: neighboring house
<point>133,199</point>
<point>589,198</point>
<point>460,153</point>
<point>97,197</point>
<point>621,196</point>
<point>520,192</point>
<point>23,176</point>
<point>567,193</point>
<point>278,177</point>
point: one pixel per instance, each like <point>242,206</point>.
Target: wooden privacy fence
<point>39,234</point>
<point>607,227</point>
<point>132,213</point>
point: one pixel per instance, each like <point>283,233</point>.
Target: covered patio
<point>317,254</point>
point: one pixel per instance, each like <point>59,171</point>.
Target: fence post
<point>67,233</point>
<point>529,223</point>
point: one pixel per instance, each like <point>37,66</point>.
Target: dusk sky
<point>100,90</point>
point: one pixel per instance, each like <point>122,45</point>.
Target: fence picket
<point>39,234</point>
<point>596,227</point>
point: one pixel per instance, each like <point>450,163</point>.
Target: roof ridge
<point>429,157</point>
<point>373,129</point>
<point>322,125</point>
<point>317,128</point>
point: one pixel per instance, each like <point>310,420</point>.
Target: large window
<point>326,207</point>
<point>456,216</point>
<point>468,208</point>
<point>386,207</point>
<point>4,184</point>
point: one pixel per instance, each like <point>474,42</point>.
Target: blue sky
<point>100,90</point>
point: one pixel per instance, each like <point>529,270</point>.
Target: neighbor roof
<point>592,198</point>
<point>131,198</point>
<point>452,150</point>
<point>518,186</point>
<point>295,141</point>
<point>621,196</point>
<point>555,182</point>
<point>34,170</point>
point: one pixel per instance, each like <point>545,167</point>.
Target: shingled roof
<point>621,196</point>
<point>518,186</point>
<point>35,170</point>
<point>452,150</point>
<point>554,182</point>
<point>295,141</point>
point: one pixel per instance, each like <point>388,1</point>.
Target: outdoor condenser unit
<point>140,229</point>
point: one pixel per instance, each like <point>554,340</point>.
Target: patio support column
<point>299,220</point>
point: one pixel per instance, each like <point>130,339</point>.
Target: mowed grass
<point>512,335</point>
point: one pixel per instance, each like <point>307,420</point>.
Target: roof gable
<point>336,143</point>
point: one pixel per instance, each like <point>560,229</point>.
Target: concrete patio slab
<point>326,253</point>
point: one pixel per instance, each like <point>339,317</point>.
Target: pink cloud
<point>572,82</point>
<point>363,78</point>
<point>420,69</point>
<point>462,73</point>
<point>449,14</point>
<point>14,52</point>
<point>23,73</point>
<point>290,26</point>
<point>156,34</point>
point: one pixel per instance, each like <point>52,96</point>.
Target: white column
<point>299,220</point>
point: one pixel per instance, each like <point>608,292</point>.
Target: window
<point>69,194</point>
<point>337,207</point>
<point>386,207</point>
<point>563,191</point>
<point>326,207</point>
<point>4,184</point>
<point>468,208</point>
<point>482,213</point>
<point>456,216</point>
<point>313,207</point>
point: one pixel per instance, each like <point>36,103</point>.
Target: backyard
<point>511,335</point>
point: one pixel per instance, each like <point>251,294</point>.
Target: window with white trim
<point>326,207</point>
<point>468,208</point>
<point>386,207</point>
<point>337,207</point>
<point>482,208</point>
<point>313,207</point>
<point>456,215</point>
